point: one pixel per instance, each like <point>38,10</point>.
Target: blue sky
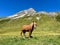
<point>10,7</point>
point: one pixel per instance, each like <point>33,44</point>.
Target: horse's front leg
<point>30,32</point>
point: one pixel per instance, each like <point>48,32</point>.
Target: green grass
<point>40,40</point>
<point>47,31</point>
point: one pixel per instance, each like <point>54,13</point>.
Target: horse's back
<point>26,27</point>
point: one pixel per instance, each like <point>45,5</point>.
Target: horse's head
<point>34,23</point>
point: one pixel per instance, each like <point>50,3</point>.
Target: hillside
<point>45,24</point>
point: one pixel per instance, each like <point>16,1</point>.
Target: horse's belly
<point>27,30</point>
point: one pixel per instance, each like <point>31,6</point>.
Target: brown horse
<point>28,28</point>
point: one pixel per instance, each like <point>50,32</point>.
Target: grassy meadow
<point>47,31</point>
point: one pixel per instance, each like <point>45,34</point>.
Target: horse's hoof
<point>31,37</point>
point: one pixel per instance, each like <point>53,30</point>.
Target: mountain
<point>53,14</point>
<point>20,14</point>
<point>30,12</point>
<point>48,13</point>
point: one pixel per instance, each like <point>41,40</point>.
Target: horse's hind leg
<point>21,33</point>
<point>24,34</point>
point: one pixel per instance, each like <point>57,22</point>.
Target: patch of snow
<point>38,18</point>
<point>12,16</point>
<point>18,17</point>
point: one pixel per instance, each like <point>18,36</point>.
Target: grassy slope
<point>10,31</point>
<point>45,25</point>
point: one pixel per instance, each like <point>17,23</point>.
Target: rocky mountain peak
<point>29,11</point>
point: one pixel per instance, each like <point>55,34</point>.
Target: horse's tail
<point>21,33</point>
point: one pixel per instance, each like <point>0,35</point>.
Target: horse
<point>28,28</point>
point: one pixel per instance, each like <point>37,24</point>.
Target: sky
<point>10,7</point>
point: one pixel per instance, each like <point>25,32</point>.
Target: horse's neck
<point>32,25</point>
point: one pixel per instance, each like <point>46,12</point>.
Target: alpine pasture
<point>47,31</point>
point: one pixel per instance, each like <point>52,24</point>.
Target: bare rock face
<point>43,12</point>
<point>52,14</point>
<point>20,14</point>
<point>48,13</point>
